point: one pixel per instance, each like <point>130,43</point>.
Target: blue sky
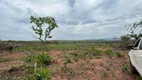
<point>77,19</point>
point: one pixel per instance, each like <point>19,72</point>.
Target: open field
<point>66,61</point>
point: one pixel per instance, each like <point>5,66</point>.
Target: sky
<point>77,19</point>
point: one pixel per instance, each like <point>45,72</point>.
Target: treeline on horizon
<point>62,41</point>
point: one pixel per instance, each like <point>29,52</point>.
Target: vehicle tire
<point>133,69</point>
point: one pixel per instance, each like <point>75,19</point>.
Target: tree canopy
<point>43,26</point>
<point>135,30</point>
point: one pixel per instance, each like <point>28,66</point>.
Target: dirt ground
<point>101,68</point>
<point>97,71</point>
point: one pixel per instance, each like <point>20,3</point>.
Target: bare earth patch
<point>14,60</point>
<point>15,55</point>
<point>103,68</point>
<point>6,65</point>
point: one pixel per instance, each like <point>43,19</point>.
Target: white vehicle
<point>135,56</point>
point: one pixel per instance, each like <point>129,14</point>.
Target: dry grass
<point>84,63</point>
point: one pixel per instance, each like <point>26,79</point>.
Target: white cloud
<point>77,19</point>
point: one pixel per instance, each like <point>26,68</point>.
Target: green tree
<point>42,27</point>
<point>125,38</point>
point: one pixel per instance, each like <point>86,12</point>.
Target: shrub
<point>94,52</point>
<point>124,67</point>
<point>67,59</point>
<point>74,54</point>
<point>28,59</point>
<point>76,59</point>
<point>119,54</point>
<point>42,74</point>
<point>97,52</point>
<point>30,68</point>
<point>12,68</point>
<point>64,69</point>
<point>82,55</point>
<point>109,52</point>
<point>10,49</point>
<point>43,59</point>
<point>125,38</point>
<point>104,73</point>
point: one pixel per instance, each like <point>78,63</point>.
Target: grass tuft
<point>124,68</point>
<point>13,68</point>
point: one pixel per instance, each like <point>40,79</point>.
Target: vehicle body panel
<point>136,59</point>
<point>135,56</point>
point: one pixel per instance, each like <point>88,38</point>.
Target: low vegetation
<point>68,61</point>
<point>12,68</point>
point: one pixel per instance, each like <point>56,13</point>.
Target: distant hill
<point>107,39</point>
<point>112,39</point>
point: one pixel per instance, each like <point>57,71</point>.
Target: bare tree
<point>134,30</point>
